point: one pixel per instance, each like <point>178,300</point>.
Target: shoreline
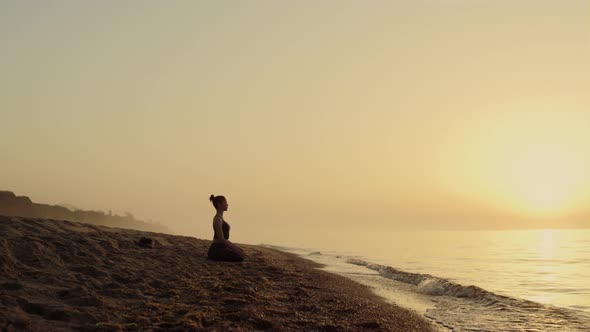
<point>64,276</point>
<point>447,305</point>
<point>396,293</point>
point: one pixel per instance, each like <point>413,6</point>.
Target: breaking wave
<point>490,311</point>
<point>431,285</point>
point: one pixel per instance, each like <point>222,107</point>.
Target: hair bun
<point>211,198</point>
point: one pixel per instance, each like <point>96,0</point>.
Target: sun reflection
<point>546,244</point>
<point>546,271</point>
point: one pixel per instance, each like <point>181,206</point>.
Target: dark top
<point>225,228</point>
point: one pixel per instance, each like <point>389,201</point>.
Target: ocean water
<point>523,280</point>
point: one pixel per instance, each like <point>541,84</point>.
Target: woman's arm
<point>218,229</point>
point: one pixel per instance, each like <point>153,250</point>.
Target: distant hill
<point>22,206</point>
<point>68,206</point>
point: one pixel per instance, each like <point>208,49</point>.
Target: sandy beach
<point>60,275</point>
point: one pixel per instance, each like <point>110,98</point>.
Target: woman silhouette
<point>222,249</point>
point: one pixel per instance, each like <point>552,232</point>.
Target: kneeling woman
<point>222,249</point>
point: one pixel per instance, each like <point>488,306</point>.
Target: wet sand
<point>60,275</point>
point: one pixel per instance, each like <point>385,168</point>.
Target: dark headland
<point>23,206</point>
<point>61,275</point>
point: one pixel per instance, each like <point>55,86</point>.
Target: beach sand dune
<point>61,275</point>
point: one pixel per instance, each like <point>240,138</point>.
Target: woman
<point>222,249</point>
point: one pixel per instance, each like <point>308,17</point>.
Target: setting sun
<point>529,163</point>
<point>542,181</point>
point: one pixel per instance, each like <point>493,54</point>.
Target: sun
<point>533,163</point>
<point>541,179</point>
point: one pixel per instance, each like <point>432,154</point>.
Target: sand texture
<point>60,275</point>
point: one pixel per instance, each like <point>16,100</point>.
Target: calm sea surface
<point>473,280</point>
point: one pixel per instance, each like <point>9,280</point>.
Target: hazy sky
<point>307,115</point>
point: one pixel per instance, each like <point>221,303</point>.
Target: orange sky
<point>307,115</point>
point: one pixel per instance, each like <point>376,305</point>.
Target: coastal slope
<point>23,206</point>
<point>61,275</point>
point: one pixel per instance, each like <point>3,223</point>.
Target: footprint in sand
<point>89,271</point>
<point>11,286</point>
<point>48,311</point>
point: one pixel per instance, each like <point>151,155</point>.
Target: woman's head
<point>219,202</point>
